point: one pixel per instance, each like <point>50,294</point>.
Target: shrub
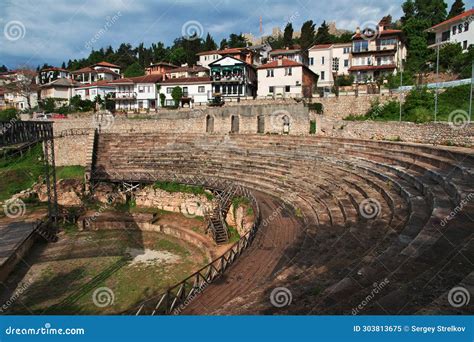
<point>312,127</point>
<point>8,114</point>
<point>317,107</point>
<point>420,115</point>
<point>345,80</point>
<point>177,94</point>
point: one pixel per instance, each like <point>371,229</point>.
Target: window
<point>346,50</point>
<point>234,89</point>
<point>169,90</point>
<point>217,89</point>
<point>464,45</point>
<point>460,28</point>
<point>201,89</point>
<point>360,46</point>
<point>185,91</point>
<point>454,30</point>
<point>270,73</point>
<point>346,63</point>
<point>322,60</point>
<point>466,26</point>
<point>288,72</point>
<point>270,90</point>
<point>141,89</point>
<point>287,89</point>
<point>335,64</point>
<point>322,75</point>
<point>311,61</point>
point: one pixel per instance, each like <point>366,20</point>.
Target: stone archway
<point>234,124</point>
<point>209,124</point>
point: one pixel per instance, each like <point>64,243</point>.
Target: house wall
<point>205,60</point>
<point>279,81</point>
<point>192,89</point>
<point>93,92</point>
<point>458,37</point>
<point>318,67</point>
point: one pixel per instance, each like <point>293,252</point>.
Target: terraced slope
<point>341,218</point>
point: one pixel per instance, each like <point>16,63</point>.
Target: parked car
<point>44,117</point>
<point>59,116</point>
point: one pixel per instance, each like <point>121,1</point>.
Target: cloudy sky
<point>51,31</point>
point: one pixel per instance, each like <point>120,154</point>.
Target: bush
<point>420,115</point>
<point>317,107</point>
<point>312,127</point>
<point>8,114</point>
<point>344,80</point>
<point>177,94</point>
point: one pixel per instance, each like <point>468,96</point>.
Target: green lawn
<point>70,172</point>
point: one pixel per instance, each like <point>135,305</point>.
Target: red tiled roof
<point>194,68</point>
<point>321,46</point>
<point>139,79</point>
<point>62,82</point>
<point>106,70</point>
<point>284,63</point>
<point>85,69</point>
<point>54,69</point>
<point>222,52</point>
<point>164,64</point>
<point>372,67</point>
<point>382,33</point>
<point>107,64</point>
<point>101,83</point>
<point>453,19</point>
<point>186,80</point>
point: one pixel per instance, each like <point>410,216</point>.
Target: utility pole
<point>437,81</point>
<point>470,97</point>
<point>401,77</point>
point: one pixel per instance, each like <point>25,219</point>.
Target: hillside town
<point>371,58</point>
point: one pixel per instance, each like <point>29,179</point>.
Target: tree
<point>209,43</point>
<point>409,9</point>
<point>432,10</point>
<point>23,84</point>
<point>3,68</point>
<point>288,35</point>
<point>177,94</point>
<point>237,41</point>
<point>8,114</point>
<point>323,36</point>
<point>456,9</point>
<point>223,44</point>
<point>307,35</point>
<point>49,105</point>
<point>134,70</point>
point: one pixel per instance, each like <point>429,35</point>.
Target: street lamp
<point>437,79</point>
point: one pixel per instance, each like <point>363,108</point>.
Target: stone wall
<point>342,106</point>
<point>427,133</point>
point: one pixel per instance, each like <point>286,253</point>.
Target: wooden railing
<point>18,132</point>
<point>177,297</point>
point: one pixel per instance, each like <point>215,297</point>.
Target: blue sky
<point>51,31</point>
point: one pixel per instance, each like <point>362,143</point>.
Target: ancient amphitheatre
<point>335,220</point>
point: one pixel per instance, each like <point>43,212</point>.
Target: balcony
<point>228,78</point>
<point>377,48</point>
<point>125,96</point>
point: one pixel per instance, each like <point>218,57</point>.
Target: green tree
<point>409,9</point>
<point>177,94</point>
<point>237,41</point>
<point>209,43</point>
<point>456,9</point>
<point>432,10</point>
<point>307,35</point>
<point>49,105</point>
<point>323,36</point>
<point>288,35</point>
<point>3,68</point>
<point>134,70</point>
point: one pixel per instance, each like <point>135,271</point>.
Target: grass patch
<point>20,172</point>
<point>234,235</point>
<point>70,172</point>
<point>171,247</point>
<point>177,187</point>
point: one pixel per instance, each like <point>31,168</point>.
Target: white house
<point>136,93</point>
<point>377,57</point>
<point>61,90</point>
<point>455,30</point>
<point>208,57</point>
<point>293,54</point>
<point>188,71</point>
<point>48,75</point>
<point>328,60</point>
<point>90,91</point>
<point>285,78</point>
<point>195,89</point>
<point>233,78</point>
<point>100,71</point>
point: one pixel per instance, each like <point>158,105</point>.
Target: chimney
<point>357,30</point>
<point>280,61</point>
